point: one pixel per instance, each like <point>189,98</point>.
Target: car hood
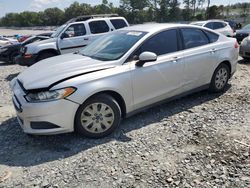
<point>46,41</point>
<point>243,31</point>
<point>13,45</point>
<point>48,72</point>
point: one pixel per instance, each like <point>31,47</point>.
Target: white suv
<point>217,25</point>
<point>70,37</point>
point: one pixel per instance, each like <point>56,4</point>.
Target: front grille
<point>247,53</point>
<point>23,50</point>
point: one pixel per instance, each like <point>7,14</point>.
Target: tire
<point>220,78</point>
<point>98,117</point>
<point>12,57</point>
<point>45,55</point>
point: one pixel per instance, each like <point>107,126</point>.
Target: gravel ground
<point>201,140</point>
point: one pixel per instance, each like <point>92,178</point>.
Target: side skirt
<point>168,100</point>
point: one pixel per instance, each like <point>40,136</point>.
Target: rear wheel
<point>98,117</point>
<point>220,78</point>
<point>45,55</point>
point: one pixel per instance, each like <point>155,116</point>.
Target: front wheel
<point>220,78</point>
<point>98,117</point>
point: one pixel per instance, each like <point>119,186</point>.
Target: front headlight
<point>46,96</point>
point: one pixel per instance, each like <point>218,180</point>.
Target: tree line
<point>135,11</point>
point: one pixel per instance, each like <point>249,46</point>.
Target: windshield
<point>112,46</point>
<point>247,27</point>
<point>58,31</point>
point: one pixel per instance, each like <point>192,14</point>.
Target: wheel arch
<point>226,62</point>
<point>119,99</point>
<point>48,51</point>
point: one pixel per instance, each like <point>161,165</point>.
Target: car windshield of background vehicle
<point>246,27</point>
<point>58,31</point>
<point>112,46</point>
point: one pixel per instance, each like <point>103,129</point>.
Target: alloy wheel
<point>221,78</point>
<point>97,117</point>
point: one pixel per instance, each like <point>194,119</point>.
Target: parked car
<point>70,38</point>
<point>242,33</point>
<point>233,24</point>
<point>245,48</point>
<point>6,41</point>
<point>217,25</point>
<point>10,52</point>
<point>23,38</point>
<point>120,74</point>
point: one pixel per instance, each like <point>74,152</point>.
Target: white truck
<point>70,37</point>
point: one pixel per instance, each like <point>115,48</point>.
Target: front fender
<point>36,48</point>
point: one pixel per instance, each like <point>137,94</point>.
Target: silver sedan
<point>120,74</point>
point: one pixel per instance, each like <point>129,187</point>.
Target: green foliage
<point>135,11</point>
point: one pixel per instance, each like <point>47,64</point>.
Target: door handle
<point>175,59</point>
<point>86,38</point>
<point>213,50</point>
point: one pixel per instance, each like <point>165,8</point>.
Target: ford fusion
<point>120,74</point>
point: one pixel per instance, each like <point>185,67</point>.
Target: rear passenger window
<point>194,38</point>
<point>209,25</point>
<point>212,36</point>
<point>218,25</point>
<point>162,43</point>
<point>118,23</point>
<point>98,27</point>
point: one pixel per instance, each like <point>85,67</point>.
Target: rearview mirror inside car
<point>146,57</point>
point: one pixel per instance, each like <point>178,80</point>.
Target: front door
<point>74,38</point>
<point>161,79</point>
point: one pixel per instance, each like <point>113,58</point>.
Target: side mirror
<point>146,57</point>
<point>63,35</point>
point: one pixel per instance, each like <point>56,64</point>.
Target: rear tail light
<point>236,45</point>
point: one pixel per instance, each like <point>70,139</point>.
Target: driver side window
<point>75,30</point>
<point>162,43</point>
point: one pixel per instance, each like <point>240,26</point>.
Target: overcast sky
<point>38,5</point>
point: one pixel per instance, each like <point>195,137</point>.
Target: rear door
<point>74,39</point>
<point>199,56</point>
<point>98,28</point>
<point>163,78</point>
<point>118,23</point>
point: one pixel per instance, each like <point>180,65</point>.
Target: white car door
<point>98,28</point>
<point>162,78</point>
<point>199,56</point>
<point>73,38</point>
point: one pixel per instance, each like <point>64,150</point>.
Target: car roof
<point>154,27</point>
<point>97,19</point>
<point>206,21</point>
